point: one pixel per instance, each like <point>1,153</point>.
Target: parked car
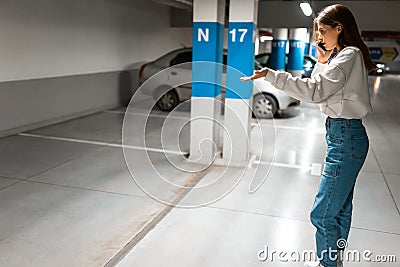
<point>267,100</point>
<point>308,64</point>
<point>381,68</point>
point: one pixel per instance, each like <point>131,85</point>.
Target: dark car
<point>308,65</point>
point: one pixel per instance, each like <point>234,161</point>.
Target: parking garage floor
<point>68,197</point>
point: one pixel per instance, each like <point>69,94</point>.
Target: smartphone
<point>322,46</point>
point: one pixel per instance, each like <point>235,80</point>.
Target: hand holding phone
<point>322,46</point>
<point>323,55</point>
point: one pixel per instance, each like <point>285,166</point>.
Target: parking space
<point>76,192</point>
<point>234,228</point>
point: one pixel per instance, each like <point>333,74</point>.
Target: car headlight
<point>381,66</point>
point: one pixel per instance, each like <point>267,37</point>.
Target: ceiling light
<point>306,8</point>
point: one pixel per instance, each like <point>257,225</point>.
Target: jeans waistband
<point>342,119</point>
<point>344,122</point>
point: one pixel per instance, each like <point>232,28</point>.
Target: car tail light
<point>141,69</point>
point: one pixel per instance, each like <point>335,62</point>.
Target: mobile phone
<point>322,46</point>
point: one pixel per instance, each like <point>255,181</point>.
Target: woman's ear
<point>339,28</point>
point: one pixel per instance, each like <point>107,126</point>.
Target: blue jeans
<point>348,145</point>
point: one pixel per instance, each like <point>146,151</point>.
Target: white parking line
<point>315,168</point>
<point>188,118</point>
<point>319,129</point>
<point>103,143</point>
<point>145,115</point>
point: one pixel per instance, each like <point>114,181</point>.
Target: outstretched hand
<point>257,74</point>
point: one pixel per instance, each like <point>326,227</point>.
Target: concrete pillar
<point>297,38</point>
<point>208,27</point>
<point>278,52</point>
<point>242,31</point>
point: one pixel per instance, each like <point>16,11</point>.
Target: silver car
<point>267,100</point>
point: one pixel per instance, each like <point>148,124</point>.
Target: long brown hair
<point>335,15</point>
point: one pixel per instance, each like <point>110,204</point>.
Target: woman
<point>339,83</point>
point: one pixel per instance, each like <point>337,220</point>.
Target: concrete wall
<point>29,104</point>
<point>62,58</point>
<point>49,38</point>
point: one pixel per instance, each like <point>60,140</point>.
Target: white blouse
<point>340,87</point>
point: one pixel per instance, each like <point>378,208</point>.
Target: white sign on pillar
<point>241,43</point>
<point>208,26</point>
<point>278,51</point>
<point>297,39</point>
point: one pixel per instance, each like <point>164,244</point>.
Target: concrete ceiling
<point>370,15</point>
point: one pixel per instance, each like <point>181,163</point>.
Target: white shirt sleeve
<point>325,80</point>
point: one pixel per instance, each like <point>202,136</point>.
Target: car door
<point>180,74</point>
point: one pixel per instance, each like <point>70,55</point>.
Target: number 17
<point>233,32</point>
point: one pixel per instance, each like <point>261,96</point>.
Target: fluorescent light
<point>307,10</point>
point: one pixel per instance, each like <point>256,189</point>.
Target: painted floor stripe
<point>290,127</point>
<point>253,124</point>
<point>315,168</point>
<point>103,143</point>
<point>145,115</point>
<point>280,164</point>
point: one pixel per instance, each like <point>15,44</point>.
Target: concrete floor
<point>68,198</point>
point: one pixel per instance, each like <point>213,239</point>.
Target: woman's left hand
<point>257,74</point>
<point>323,55</point>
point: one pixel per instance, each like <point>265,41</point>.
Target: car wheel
<point>264,106</point>
<point>168,101</point>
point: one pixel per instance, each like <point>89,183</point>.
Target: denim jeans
<point>331,214</point>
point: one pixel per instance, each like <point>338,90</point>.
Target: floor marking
<point>251,161</point>
<point>253,124</point>
<point>183,118</point>
<point>103,144</point>
<point>145,115</point>
<point>315,168</point>
<point>319,129</point>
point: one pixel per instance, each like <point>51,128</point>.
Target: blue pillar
<point>307,44</point>
<point>237,121</point>
<point>296,51</point>
<point>208,26</point>
<point>278,51</point>
<point>306,48</point>
<point>313,48</point>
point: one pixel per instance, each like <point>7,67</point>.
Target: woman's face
<point>328,35</point>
